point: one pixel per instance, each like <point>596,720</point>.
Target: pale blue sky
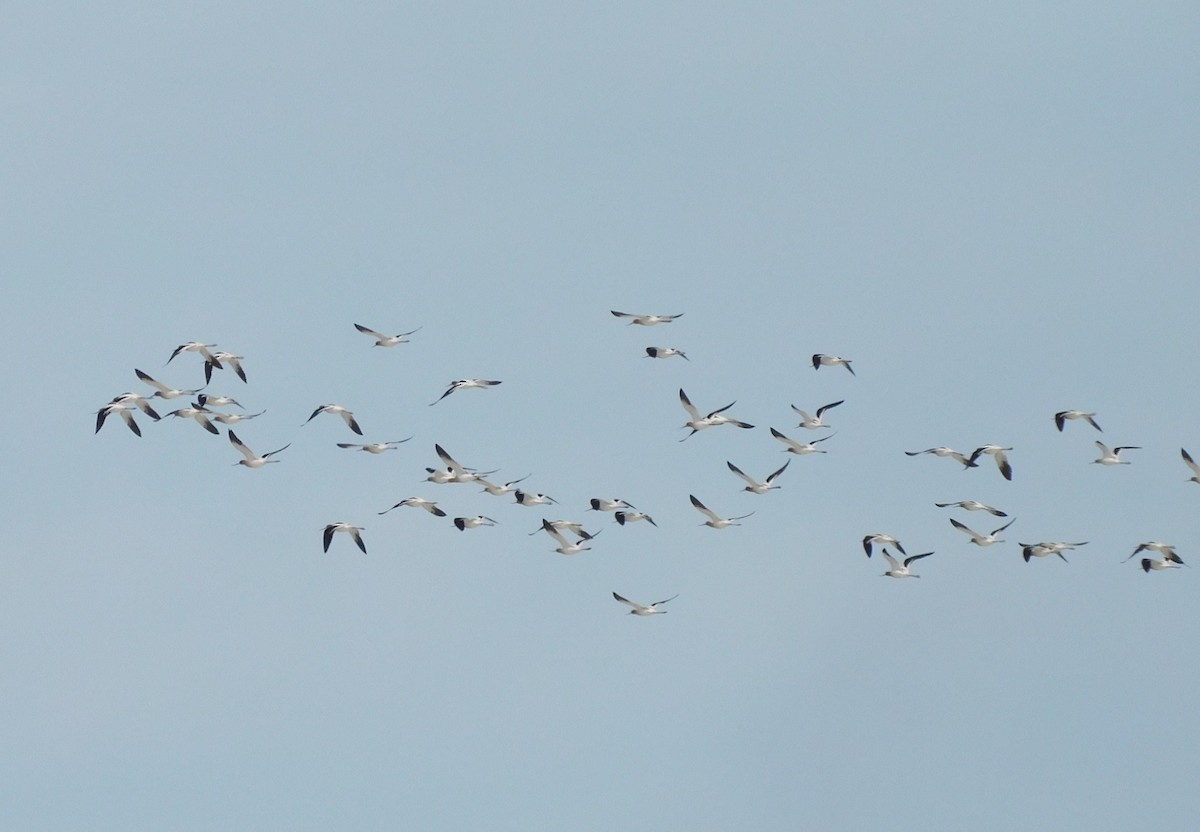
<point>992,211</point>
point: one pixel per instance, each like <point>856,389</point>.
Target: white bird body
<point>197,347</point>
<point>500,490</point>
<point>1167,550</point>
<point>234,418</point>
<point>711,420</point>
<point>374,447</point>
<point>814,422</point>
<point>1191,463</point>
<point>801,448</point>
<point>219,360</point>
<point>646,320</point>
<point>354,531</point>
<point>123,410</point>
<point>199,413</point>
<point>644,609</point>
<point>943,451</point>
<point>901,570</point>
<point>973,505</point>
<point>666,352</point>
<point>565,525</point>
<point>419,502</point>
<point>164,391</point>
<point>565,547</point>
<point>1061,417</point>
<point>137,400</point>
<point>819,361</point>
<point>217,401</point>
<point>253,460</point>
<point>715,521</point>
<point>982,539</point>
<point>600,504</point>
<point>624,517</point>
<point>464,523</point>
<point>382,340</point>
<point>753,485</point>
<point>997,453</point>
<point>1150,563</point>
<point>459,473</point>
<point>883,540</point>
<point>1112,456</point>
<point>524,498</point>
<point>1045,550</point>
<point>466,384</point>
<point>337,410</point>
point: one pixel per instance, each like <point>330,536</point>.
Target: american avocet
<point>1167,550</point>
<point>1062,416</point>
<point>714,520</point>
<point>217,401</point>
<point>565,547</point>
<point>418,502</point>
<point>199,413</point>
<point>599,504</point>
<point>1112,456</point>
<point>353,531</point>
<point>883,539</point>
<point>500,490</point>
<point>982,539</point>
<point>753,485</point>
<point>819,361</point>
<point>125,412</point>
<point>465,384</point>
<point>814,422</point>
<point>524,498</point>
<point>219,360</point>
<point>197,347</point>
<point>338,410</point>
<point>996,452</point>
<point>1149,563</point>
<point>464,523</point>
<point>164,391</point>
<point>665,352</point>
<point>234,418</point>
<point>1045,550</point>
<point>1191,463</point>
<point>252,459</point>
<point>565,525</point>
<point>460,472</point>
<point>137,400</point>
<point>646,320</point>
<point>382,340</point>
<point>901,570</point>
<point>801,448</point>
<point>942,450</point>
<point>973,505</point>
<point>716,417</point>
<point>374,447</point>
<point>644,609</point>
<point>624,517</point>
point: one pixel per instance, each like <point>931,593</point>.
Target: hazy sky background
<point>991,210</point>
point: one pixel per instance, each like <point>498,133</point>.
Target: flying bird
<point>252,459</point>
<point>666,352</point>
<point>899,570</point>
<point>459,473</point>
<point>624,517</point>
<point>353,531</point>
<point>234,418</point>
<point>464,523</point>
<point>716,417</point>
<point>217,401</point>
<point>646,320</point>
<point>164,391</point>
<point>753,485</point>
<point>644,609</point>
<point>526,499</point>
<point>565,525</point>
<point>973,505</point>
<point>997,453</point>
<point>1191,463</point>
<point>419,502</point>
<point>338,410</point>
<point>1044,550</point>
<point>883,539</point>
<point>982,539</point>
<point>374,447</point>
<point>465,384</point>
<point>1062,416</point>
<point>714,520</point>
<point>219,360</point>
<point>819,361</point>
<point>943,451</point>
<point>1149,563</point>
<point>195,346</point>
<point>814,422</point>
<point>801,448</point>
<point>599,504</point>
<point>1167,550</point>
<point>199,413</point>
<point>500,490</point>
<point>124,410</point>
<point>382,340</point>
<point>1112,456</point>
<point>137,400</point>
<point>565,547</point>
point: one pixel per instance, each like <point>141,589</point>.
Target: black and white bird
<point>666,352</point>
<point>883,540</point>
<point>1061,417</point>
<point>819,361</point>
<point>711,420</point>
<point>466,384</point>
<point>1112,456</point>
<point>624,517</point>
<point>205,350</point>
<point>199,413</point>
<point>901,570</point>
<point>715,521</point>
<point>253,460</point>
<point>122,410</point>
<point>464,523</point>
<point>337,410</point>
<point>136,400</point>
<point>997,453</point>
<point>374,447</point>
<point>600,504</point>
<point>982,539</point>
<point>217,401</point>
<point>164,391</point>
<point>500,490</point>
<point>802,448</point>
<point>973,505</point>
<point>234,418</point>
<point>814,422</point>
<point>524,498</point>
<point>1045,550</point>
<point>382,340</point>
<point>1151,564</point>
<point>646,320</point>
<point>1191,463</point>
<point>566,547</point>
<point>459,473</point>
<point>565,525</point>
<point>943,451</point>
<point>418,502</point>
<point>219,360</point>
<point>1167,550</point>
<point>644,609</point>
<point>753,485</point>
<point>354,531</point>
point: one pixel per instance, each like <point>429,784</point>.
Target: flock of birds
<point>570,536</point>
